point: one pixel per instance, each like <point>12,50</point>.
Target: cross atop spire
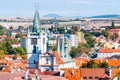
<point>36,5</point>
<point>36,23</point>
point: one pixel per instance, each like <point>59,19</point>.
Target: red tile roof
<point>8,76</point>
<point>72,73</point>
<point>114,72</point>
<point>115,30</point>
<point>99,31</point>
<point>5,70</point>
<point>58,58</point>
<point>107,50</point>
<point>80,61</point>
<point>92,72</point>
<point>113,62</point>
<point>98,39</point>
<point>79,73</point>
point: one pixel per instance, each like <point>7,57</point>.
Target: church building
<point>39,48</point>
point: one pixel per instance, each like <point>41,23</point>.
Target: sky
<point>65,8</point>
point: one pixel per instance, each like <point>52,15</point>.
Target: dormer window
<point>90,77</point>
<point>84,77</point>
<point>34,41</point>
<point>96,77</point>
<point>47,60</point>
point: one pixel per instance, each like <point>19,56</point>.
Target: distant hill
<point>52,15</point>
<point>106,16</point>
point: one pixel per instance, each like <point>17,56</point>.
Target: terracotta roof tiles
<point>107,50</point>
<point>58,58</point>
<point>115,30</point>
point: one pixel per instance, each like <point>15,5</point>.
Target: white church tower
<point>36,42</point>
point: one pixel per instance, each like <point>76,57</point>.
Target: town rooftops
<point>115,30</point>
<point>93,73</point>
<point>107,50</point>
<point>85,73</point>
<point>58,58</point>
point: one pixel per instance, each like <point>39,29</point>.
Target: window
<point>43,40</point>
<point>90,77</point>
<point>47,61</point>
<point>34,41</point>
<point>84,77</point>
<point>96,77</point>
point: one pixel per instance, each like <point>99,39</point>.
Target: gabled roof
<point>72,73</point>
<point>92,72</point>
<point>114,72</point>
<point>107,50</point>
<point>80,73</point>
<point>58,58</point>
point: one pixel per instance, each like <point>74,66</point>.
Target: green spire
<point>66,47</point>
<point>58,45</point>
<point>62,49</point>
<point>49,45</point>
<point>36,23</point>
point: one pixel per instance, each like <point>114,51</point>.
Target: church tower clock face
<point>34,41</point>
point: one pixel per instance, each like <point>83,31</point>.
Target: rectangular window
<point>43,40</point>
<point>34,41</point>
<point>84,77</point>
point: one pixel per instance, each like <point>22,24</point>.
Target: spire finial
<point>36,5</point>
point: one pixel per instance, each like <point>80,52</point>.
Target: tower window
<point>34,41</point>
<point>47,60</point>
<point>43,40</point>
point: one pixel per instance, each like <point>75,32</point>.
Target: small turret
<point>62,49</point>
<point>58,45</point>
<point>49,45</point>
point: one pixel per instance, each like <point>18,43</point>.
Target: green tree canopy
<point>1,27</point>
<point>9,47</point>
<point>2,54</point>
<point>19,50</point>
<point>92,64</point>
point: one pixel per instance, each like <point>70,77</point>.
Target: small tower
<point>55,24</point>
<point>58,45</point>
<point>49,45</point>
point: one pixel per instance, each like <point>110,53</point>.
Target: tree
<point>20,51</point>
<point>103,65</point>
<point>19,35</point>
<point>90,64</point>
<point>118,75</point>
<point>54,48</point>
<point>9,47</point>
<point>1,27</point>
<point>84,48</point>
<point>90,41</point>
<point>3,46</point>
<point>2,54</point>
<point>74,52</point>
<point>107,34</point>
<point>112,24</point>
